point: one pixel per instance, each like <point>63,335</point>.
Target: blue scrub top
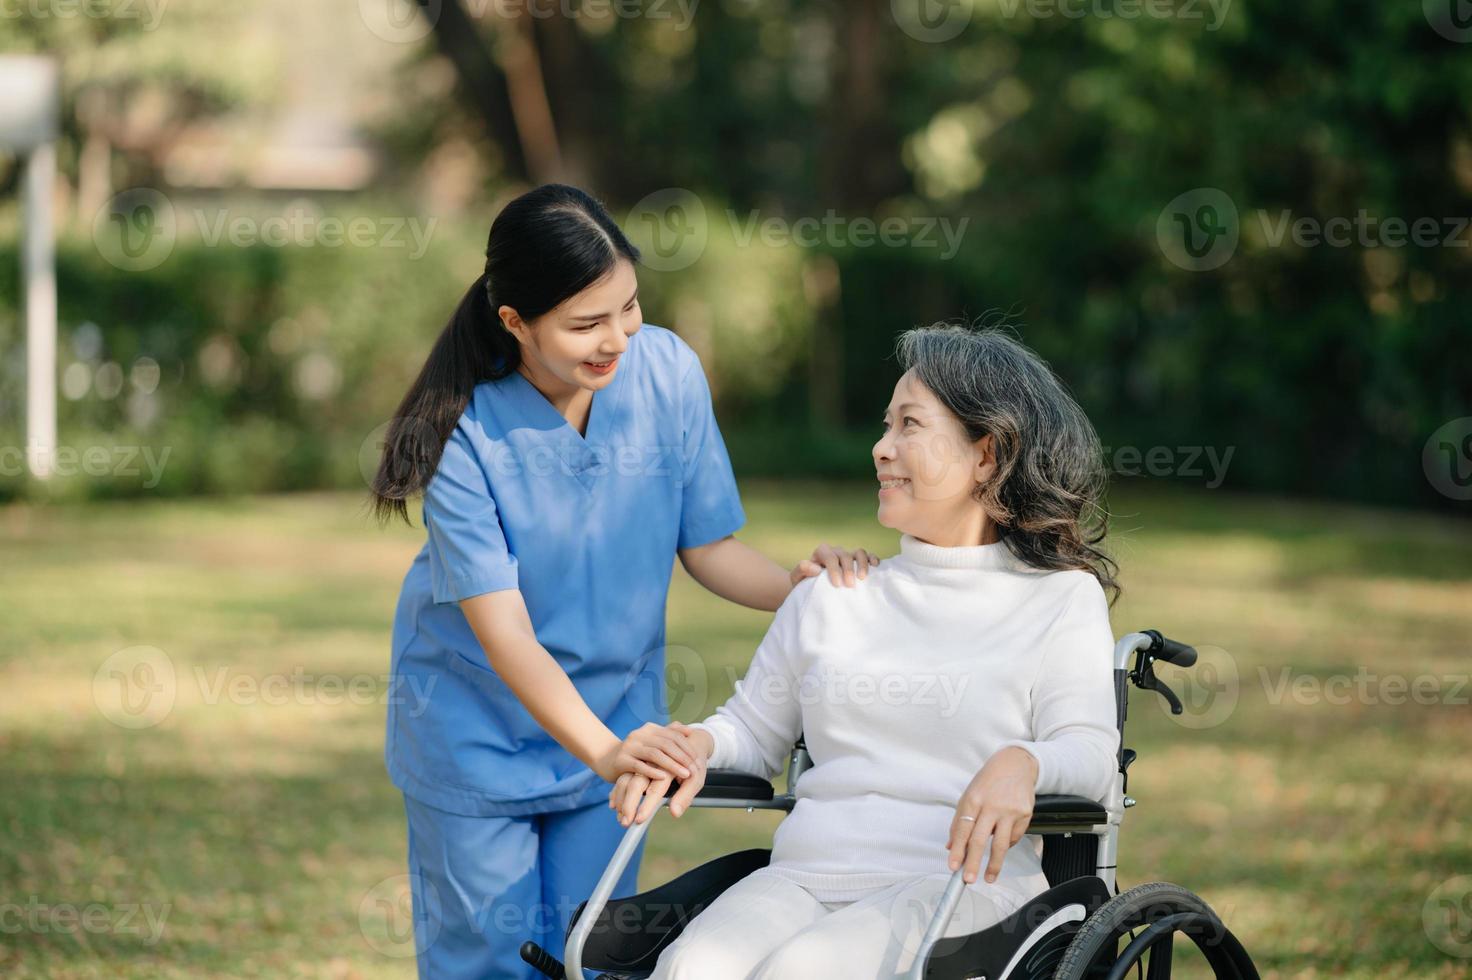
<point>586,527</point>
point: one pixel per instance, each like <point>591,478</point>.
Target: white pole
<point>38,272</point>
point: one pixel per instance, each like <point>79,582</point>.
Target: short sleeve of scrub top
<point>467,550</point>
<point>586,527</point>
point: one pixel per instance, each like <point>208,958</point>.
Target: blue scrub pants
<point>484,885</point>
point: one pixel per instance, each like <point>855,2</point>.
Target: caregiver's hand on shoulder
<point>635,797</point>
<point>651,751</point>
<point>841,565</point>
<point>998,804</point>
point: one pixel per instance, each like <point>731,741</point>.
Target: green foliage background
<point>1058,139</point>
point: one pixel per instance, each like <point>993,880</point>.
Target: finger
<point>808,568</point>
<point>956,843</point>
<point>647,771</point>
<point>1001,840</point>
<point>623,801</point>
<point>680,802</point>
<point>679,747</point>
<point>846,563</point>
<point>667,763</point>
<point>654,754</point>
<point>831,561</point>
<point>653,797</point>
<point>616,794</point>
<point>632,792</point>
<point>864,560</point>
<point>976,847</point>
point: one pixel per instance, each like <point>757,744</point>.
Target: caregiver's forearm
<point>736,571</point>
<point>501,623</point>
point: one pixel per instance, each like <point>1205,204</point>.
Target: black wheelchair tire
<point>1164,910</point>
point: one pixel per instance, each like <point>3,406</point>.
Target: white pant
<point>766,927</point>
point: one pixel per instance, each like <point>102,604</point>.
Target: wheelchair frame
<point>1084,838</point>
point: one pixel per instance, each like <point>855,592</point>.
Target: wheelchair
<point>1072,931</point>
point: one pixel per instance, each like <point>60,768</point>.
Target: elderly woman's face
<point>926,464</point>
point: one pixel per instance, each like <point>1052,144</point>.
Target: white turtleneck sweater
<point>904,686</point>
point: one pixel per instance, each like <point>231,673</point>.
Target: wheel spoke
<point>1160,957</point>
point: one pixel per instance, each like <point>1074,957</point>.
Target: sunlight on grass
<point>254,818</point>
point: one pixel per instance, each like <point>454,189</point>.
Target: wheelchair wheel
<point>1163,910</point>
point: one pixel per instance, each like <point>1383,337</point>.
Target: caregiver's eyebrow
<point>599,316</point>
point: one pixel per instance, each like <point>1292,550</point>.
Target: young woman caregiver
<point>567,453</point>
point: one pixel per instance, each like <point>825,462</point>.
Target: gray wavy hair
<point>1046,496</point>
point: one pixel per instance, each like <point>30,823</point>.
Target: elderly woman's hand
<point>842,565</point>
<point>998,804</point>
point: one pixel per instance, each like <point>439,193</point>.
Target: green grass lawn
<point>251,831</point>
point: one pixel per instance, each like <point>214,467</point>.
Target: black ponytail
<point>545,247</point>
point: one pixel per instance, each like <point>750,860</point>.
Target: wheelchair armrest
<point>1061,810</point>
<point>729,784</point>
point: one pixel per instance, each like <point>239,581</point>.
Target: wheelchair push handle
<point>1151,646</point>
<point>1171,651</point>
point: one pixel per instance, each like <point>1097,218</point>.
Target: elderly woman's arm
<point>754,731</point>
<point>1075,744</point>
<point>751,732</point>
<point>1075,730</point>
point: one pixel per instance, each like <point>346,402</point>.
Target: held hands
<point>636,793</point>
<point>1000,799</point>
<point>842,565</point>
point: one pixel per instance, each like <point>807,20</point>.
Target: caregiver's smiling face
<point>927,466</point>
<point>581,341</point>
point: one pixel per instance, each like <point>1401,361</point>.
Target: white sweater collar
<point>994,555</point>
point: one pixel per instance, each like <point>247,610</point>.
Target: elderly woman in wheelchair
<point>967,695</point>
